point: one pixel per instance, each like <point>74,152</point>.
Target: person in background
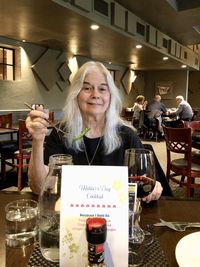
<point>155,110</point>
<point>138,106</point>
<point>183,111</point>
<point>156,104</point>
<point>93,106</point>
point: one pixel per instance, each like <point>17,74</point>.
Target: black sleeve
<point>130,138</point>
<point>54,144</point>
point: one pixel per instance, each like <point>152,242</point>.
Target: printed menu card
<point>88,192</point>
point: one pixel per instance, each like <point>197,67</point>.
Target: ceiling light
<point>165,58</point>
<point>184,66</point>
<point>24,41</point>
<point>94,27</point>
<point>138,46</point>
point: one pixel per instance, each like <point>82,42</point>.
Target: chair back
<point>178,140</point>
<point>24,137</point>
<point>185,169</point>
<point>51,116</point>
<point>6,120</point>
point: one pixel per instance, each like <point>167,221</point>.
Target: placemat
<point>153,257</point>
<point>37,260</point>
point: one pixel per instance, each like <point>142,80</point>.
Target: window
<point>165,43</point>
<point>140,28</point>
<point>7,63</point>
<point>185,55</point>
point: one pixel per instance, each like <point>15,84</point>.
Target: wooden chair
<point>179,140</point>
<point>22,154</point>
<point>9,145</point>
<point>51,116</point>
<point>6,120</point>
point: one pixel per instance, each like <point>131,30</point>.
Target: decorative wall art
<point>126,81</point>
<point>164,89</point>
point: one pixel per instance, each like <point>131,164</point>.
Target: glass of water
<point>21,223</point>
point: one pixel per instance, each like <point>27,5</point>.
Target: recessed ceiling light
<point>165,58</point>
<point>184,66</point>
<point>94,27</point>
<point>138,46</point>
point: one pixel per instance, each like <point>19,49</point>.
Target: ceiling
<point>46,23</point>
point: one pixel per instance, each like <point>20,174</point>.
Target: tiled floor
<point>160,150</point>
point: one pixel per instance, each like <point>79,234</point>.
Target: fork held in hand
<point>52,124</point>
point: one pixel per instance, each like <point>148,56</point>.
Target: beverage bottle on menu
<point>96,232</point>
<point>49,208</point>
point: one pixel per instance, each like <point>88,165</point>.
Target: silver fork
<point>52,124</point>
<point>178,226</point>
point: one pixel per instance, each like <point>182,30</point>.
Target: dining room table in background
<point>167,208</point>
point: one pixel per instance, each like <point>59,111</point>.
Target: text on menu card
<point>88,192</point>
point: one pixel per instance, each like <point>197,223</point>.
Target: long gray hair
<point>72,119</point>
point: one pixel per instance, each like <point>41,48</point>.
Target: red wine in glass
<point>141,170</point>
<point>145,185</point>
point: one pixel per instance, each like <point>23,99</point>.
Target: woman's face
<point>94,97</point>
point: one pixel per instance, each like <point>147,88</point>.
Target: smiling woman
<point>93,103</point>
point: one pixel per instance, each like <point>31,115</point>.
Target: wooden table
<point>8,131</point>
<point>165,208</point>
<point>171,209</point>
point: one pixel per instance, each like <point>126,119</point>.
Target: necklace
<point>95,152</point>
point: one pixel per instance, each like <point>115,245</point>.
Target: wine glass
<point>136,234</point>
<point>141,170</point>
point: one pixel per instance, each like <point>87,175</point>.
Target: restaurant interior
<point>148,48</point>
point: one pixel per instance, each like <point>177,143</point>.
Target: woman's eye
<point>103,89</point>
<point>86,88</point>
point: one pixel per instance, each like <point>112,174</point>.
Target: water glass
<point>21,223</point>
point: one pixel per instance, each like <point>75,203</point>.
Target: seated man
<point>155,110</point>
<point>183,111</point>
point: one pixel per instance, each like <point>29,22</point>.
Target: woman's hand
<point>36,123</point>
<point>155,194</point>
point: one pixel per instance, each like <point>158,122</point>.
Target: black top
<point>55,145</point>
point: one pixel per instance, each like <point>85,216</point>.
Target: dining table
<point>8,132</point>
<point>167,208</point>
